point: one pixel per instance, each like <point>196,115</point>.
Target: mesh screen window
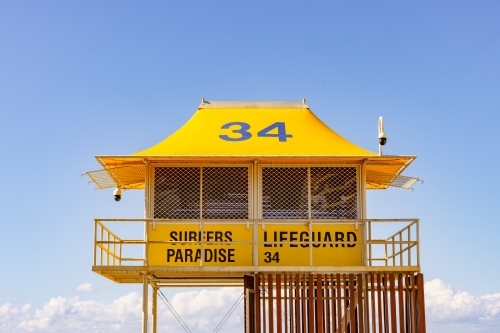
<point>284,193</point>
<point>333,192</point>
<point>201,192</point>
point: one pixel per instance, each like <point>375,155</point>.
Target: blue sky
<point>78,79</point>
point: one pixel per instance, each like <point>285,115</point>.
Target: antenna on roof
<point>382,137</point>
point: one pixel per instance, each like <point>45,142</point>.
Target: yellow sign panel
<point>296,245</point>
<point>180,245</point>
<point>175,244</point>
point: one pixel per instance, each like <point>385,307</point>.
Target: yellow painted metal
<point>398,252</point>
<point>204,135</point>
<point>186,244</point>
<point>229,244</point>
<point>296,245</point>
<point>263,132</point>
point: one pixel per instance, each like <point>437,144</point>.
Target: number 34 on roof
<point>241,131</point>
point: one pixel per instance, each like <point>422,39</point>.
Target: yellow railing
<point>400,249</point>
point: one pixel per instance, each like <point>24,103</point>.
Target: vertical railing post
<point>393,239</point>
<point>400,248</point>
<point>385,246</point>
<point>370,245</point>
<point>255,244</point>
<point>202,239</point>
<point>101,238</point>
<point>146,243</point>
<point>108,247</point>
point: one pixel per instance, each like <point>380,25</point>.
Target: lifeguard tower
<point>265,196</point>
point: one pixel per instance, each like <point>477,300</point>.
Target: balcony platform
<point>232,276</point>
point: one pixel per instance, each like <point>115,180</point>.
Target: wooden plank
<point>264,298</point>
<point>310,309</point>
<point>291,313</point>
<point>270,302</point>
<point>385,301</point>
<point>392,298</point>
<point>298,323</point>
<point>339,306</point>
<point>347,317</point>
<point>361,314</point>
<point>352,303</point>
<point>412,304</point>
<point>328,300</point>
<point>257,303</point>
<point>372,297</point>
<point>407,304</point>
<point>366,283</point>
<point>279,327</point>
<point>379,303</point>
<point>402,321</point>
<point>319,302</point>
<point>421,304</point>
<point>245,308</point>
<point>303,303</point>
<point>285,301</point>
<point>334,302</point>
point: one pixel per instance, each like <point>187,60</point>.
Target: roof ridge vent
<point>253,104</point>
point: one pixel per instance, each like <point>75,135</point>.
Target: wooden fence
<point>334,303</point>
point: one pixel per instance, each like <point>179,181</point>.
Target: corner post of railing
<point>146,242</point>
<point>101,248</point>
<point>400,234</point>
<point>364,244</point>
<point>108,247</point>
<point>369,243</point>
<point>409,248</point>
<point>418,241</point>
<point>393,239</point>
<point>114,250</point>
<point>95,241</point>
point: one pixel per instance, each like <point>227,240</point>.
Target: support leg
<point>154,308</point>
<point>145,284</point>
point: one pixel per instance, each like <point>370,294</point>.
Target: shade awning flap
<point>133,177</point>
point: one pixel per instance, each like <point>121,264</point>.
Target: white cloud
<point>88,288</point>
<point>459,311</point>
<point>447,310</point>
<point>85,288</point>
<point>201,310</point>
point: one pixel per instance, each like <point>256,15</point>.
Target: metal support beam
<point>145,284</point>
<point>154,307</point>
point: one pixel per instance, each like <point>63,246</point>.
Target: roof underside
<point>245,132</point>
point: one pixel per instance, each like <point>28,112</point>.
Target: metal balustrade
<point>399,249</point>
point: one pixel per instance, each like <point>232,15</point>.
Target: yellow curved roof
<point>269,132</point>
<point>239,132</point>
